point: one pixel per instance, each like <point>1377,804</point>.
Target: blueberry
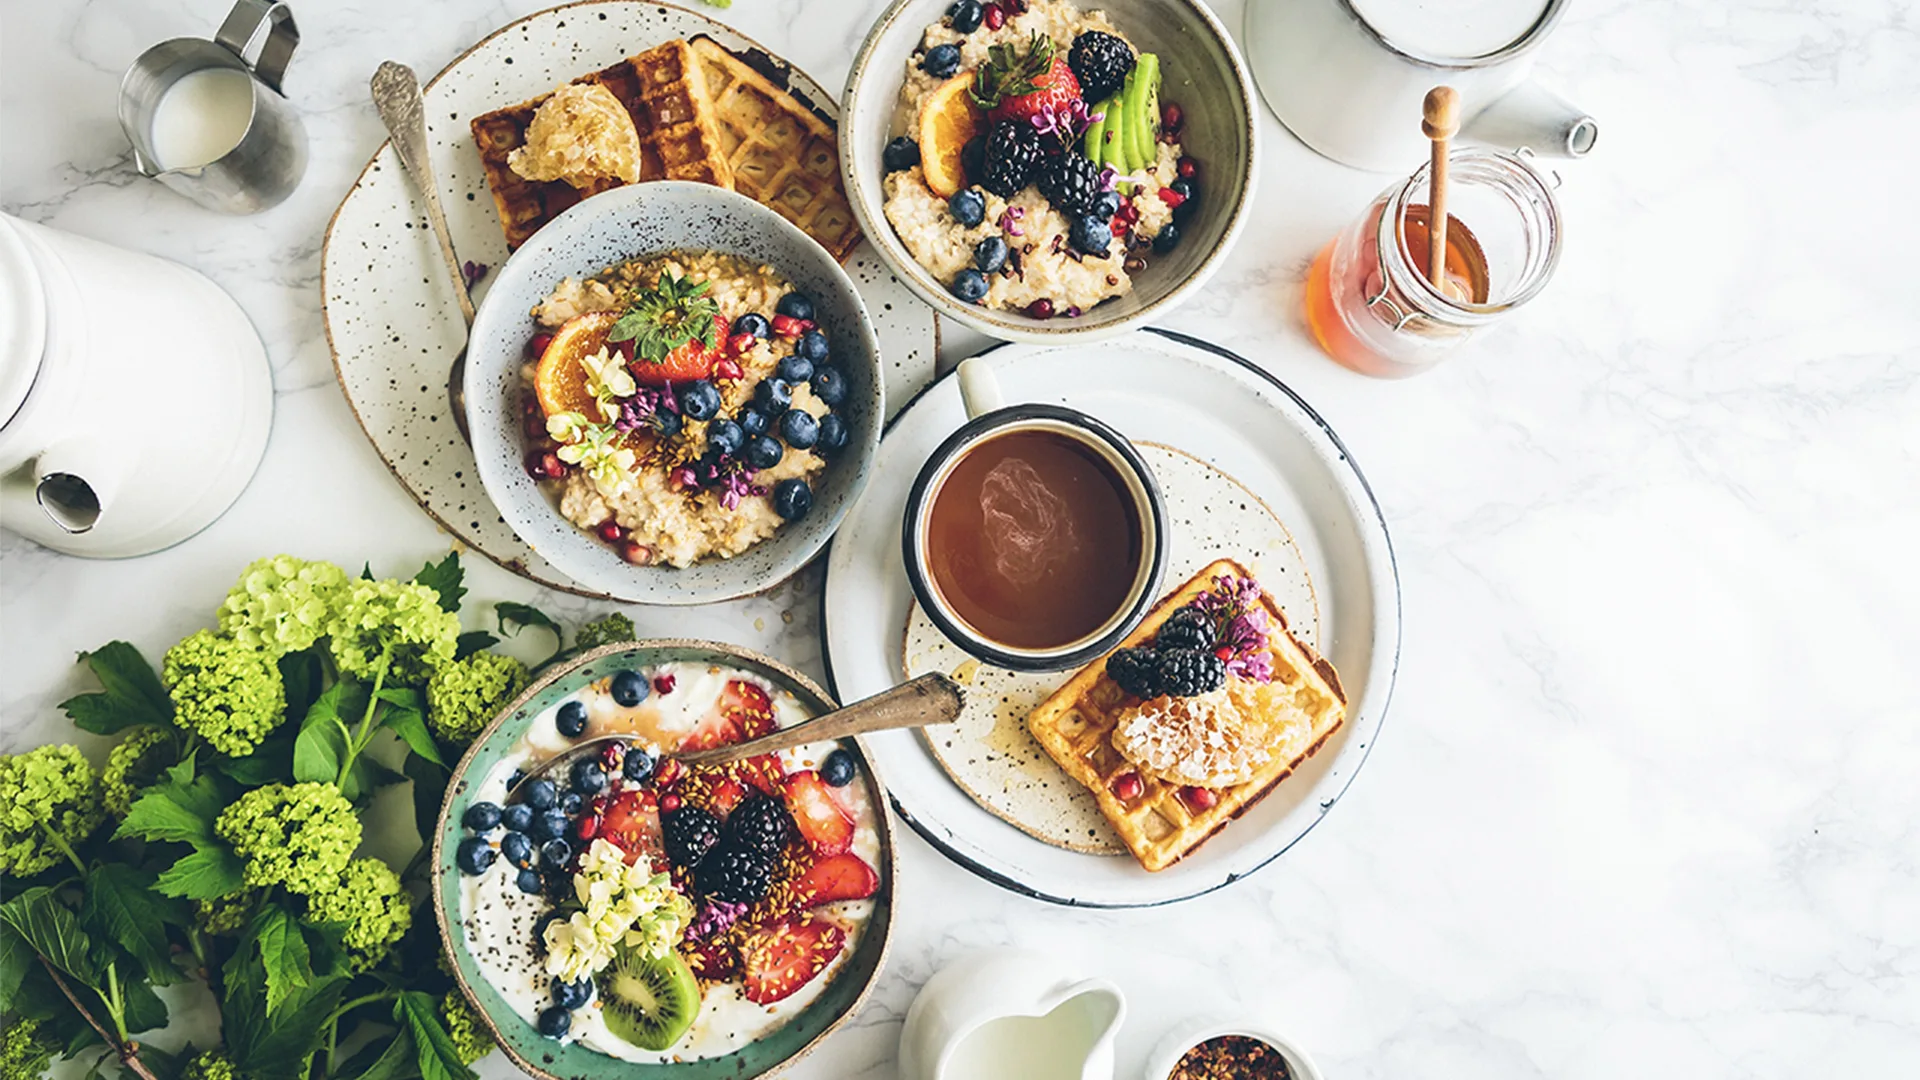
<point>795,305</point>
<point>753,323</point>
<point>571,719</point>
<point>638,766</point>
<point>764,452</point>
<point>481,816</point>
<point>830,387</point>
<point>754,422</point>
<point>572,995</point>
<point>554,1022</point>
<point>528,881</point>
<point>517,818</point>
<point>554,854</point>
<point>968,207</point>
<point>965,16</point>
<point>699,400</point>
<point>629,688</point>
<point>772,396</point>
<point>1190,198</point>
<point>540,794</point>
<point>813,346</point>
<point>837,769</point>
<point>548,825</point>
<point>973,157</point>
<point>725,437</point>
<point>970,285</point>
<point>474,855</point>
<point>796,369</point>
<point>588,777</point>
<point>833,435</point>
<point>1105,205</point>
<point>516,848</point>
<point>514,778</point>
<point>941,61</point>
<point>667,423</point>
<point>990,254</point>
<point>571,802</point>
<point>1090,235</point>
<point>1167,238</point>
<point>901,153</point>
<point>800,429</point>
<point>792,499</point>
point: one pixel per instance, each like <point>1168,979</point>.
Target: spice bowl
<point>1172,1050</point>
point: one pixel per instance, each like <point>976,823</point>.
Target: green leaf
<point>321,747</point>
<point>382,1059</point>
<point>304,674</point>
<point>368,775</point>
<point>270,763</point>
<point>366,571</point>
<point>434,1047</point>
<point>515,617</point>
<point>209,872</point>
<point>141,1008</point>
<point>16,959</point>
<point>181,772</point>
<point>404,717</point>
<point>429,791</point>
<point>120,902</point>
<point>275,1045</point>
<point>284,958</point>
<point>51,930</point>
<point>131,692</point>
<point>176,811</point>
<point>164,1065</point>
<point>444,577</point>
<point>473,641</point>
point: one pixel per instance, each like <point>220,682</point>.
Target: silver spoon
<point>396,94</point>
<point>929,699</point>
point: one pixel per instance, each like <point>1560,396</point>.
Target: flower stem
<point>361,734</point>
<point>65,848</point>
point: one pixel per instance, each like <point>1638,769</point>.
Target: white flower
<point>624,906</point>
<point>607,463</point>
<point>567,427</point>
<point>608,380</point>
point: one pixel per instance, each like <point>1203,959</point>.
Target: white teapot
<point>1009,1014</point>
<point>135,396</point>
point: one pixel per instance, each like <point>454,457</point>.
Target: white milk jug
<point>135,396</point>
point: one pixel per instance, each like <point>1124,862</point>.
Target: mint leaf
<point>120,902</point>
<point>515,617</point>
<point>321,747</point>
<point>208,873</point>
<point>473,641</point>
<point>38,916</point>
<point>404,718</point>
<point>131,693</point>
<point>444,577</point>
<point>434,1047</point>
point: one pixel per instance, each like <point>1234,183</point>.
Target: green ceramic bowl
<point>544,1057</point>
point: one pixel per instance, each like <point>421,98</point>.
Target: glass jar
<point>1369,302</point>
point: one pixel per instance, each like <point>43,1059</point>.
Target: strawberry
<point>744,712</point>
<point>785,956</point>
<point>632,823</point>
<point>817,815</point>
<point>1013,85</point>
<point>712,961</point>
<point>684,364</point>
<point>729,794</point>
<point>839,877</point>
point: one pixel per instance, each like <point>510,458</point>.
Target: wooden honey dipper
<point>1441,121</point>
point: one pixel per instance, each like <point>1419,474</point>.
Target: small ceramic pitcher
<point>1008,1014</point>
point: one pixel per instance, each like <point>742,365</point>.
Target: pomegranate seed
<point>996,18</point>
<point>1171,117</point>
<point>535,427</point>
<point>1172,198</point>
<point>599,803</point>
<point>1127,786</point>
<point>537,463</point>
<point>787,326</point>
<point>669,803</point>
<point>1223,653</point>
<point>663,684</point>
<point>741,342</point>
<point>613,756</point>
<point>1118,225</point>
<point>729,369</point>
<point>1014,7</point>
<point>1199,798</point>
<point>636,553</point>
<point>537,344</point>
<point>587,827</point>
<point>1041,308</point>
<point>551,464</point>
<point>667,773</point>
<point>611,532</point>
<point>1187,168</point>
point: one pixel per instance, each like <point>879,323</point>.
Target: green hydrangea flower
<point>297,835</point>
<point>470,1039</point>
<point>224,916</point>
<point>604,631</point>
<point>398,618</point>
<point>228,692</point>
<point>24,1052</point>
<point>370,904</point>
<point>132,765</point>
<point>464,695</point>
<point>49,803</point>
<point>211,1065</point>
<point>282,604</point>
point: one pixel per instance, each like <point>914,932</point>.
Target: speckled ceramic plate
<point>551,1060</point>
<point>390,315</point>
<point>1154,387</point>
<point>990,754</point>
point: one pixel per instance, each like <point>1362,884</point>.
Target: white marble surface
<point>1646,802</point>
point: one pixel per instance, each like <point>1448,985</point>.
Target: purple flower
<point>1234,603</point>
<point>736,481</point>
<point>1246,631</point>
<point>714,917</point>
<point>640,409</point>
<point>1107,175</point>
<point>1065,122</point>
<point>1009,219</point>
<point>1253,667</point>
<point>683,477</point>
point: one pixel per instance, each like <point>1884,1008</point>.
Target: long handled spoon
<point>396,94</point>
<point>929,699</point>
<point>1441,122</point>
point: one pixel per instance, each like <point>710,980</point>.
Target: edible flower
<point>644,407</point>
<point>608,380</point>
<point>624,905</point>
<point>598,451</point>
<point>568,427</point>
<point>1065,122</point>
<point>1234,603</point>
<point>1010,218</point>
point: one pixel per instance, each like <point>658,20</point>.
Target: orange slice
<point>560,382</point>
<point>948,119</point>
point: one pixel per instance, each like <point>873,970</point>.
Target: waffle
<point>663,91</point>
<point>1075,727</point>
<point>779,152</point>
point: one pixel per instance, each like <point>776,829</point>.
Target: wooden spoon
<point>1441,122</point>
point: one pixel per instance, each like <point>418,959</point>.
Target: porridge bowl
<point>674,394</point>
<point>1072,271</point>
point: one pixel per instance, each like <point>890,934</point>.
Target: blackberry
<point>1101,62</point>
<point>1137,671</point>
<point>1187,628</point>
<point>1190,672</point>
<point>1071,183</point>
<point>759,824</point>
<point>735,876</point>
<point>973,159</point>
<point>690,833</point>
<point>1013,153</point>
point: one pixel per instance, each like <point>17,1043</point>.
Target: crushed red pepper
<point>1232,1057</point>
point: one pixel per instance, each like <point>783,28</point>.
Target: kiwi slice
<point>1143,112</point>
<point>649,1002</point>
<point>1096,133</point>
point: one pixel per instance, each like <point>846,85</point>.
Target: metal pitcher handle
<point>244,24</point>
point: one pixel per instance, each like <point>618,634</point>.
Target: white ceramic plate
<point>390,315</point>
<point>1161,387</point>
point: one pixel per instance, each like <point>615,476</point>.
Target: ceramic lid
<point>23,319</point>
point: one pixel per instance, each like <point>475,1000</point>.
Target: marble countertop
<point>1645,804</point>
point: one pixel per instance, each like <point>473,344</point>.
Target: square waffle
<point>780,153</point>
<point>1075,727</point>
<point>663,90</point>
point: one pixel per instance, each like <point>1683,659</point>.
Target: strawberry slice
<point>727,795</point>
<point>744,712</point>
<point>684,364</point>
<point>816,814</point>
<point>841,877</point>
<point>785,956</point>
<point>712,961</point>
<point>632,823</point>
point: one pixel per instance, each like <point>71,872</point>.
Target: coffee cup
<point>1035,536</point>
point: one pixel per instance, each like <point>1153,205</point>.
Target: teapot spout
<point>74,484</point>
<point>1536,118</point>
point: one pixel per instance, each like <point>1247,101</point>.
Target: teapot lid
<point>23,319</point>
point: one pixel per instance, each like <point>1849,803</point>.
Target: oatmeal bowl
<point>674,394</point>
<point>1047,170</point>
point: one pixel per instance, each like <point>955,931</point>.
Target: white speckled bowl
<point>626,223</point>
<point>1201,70</point>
